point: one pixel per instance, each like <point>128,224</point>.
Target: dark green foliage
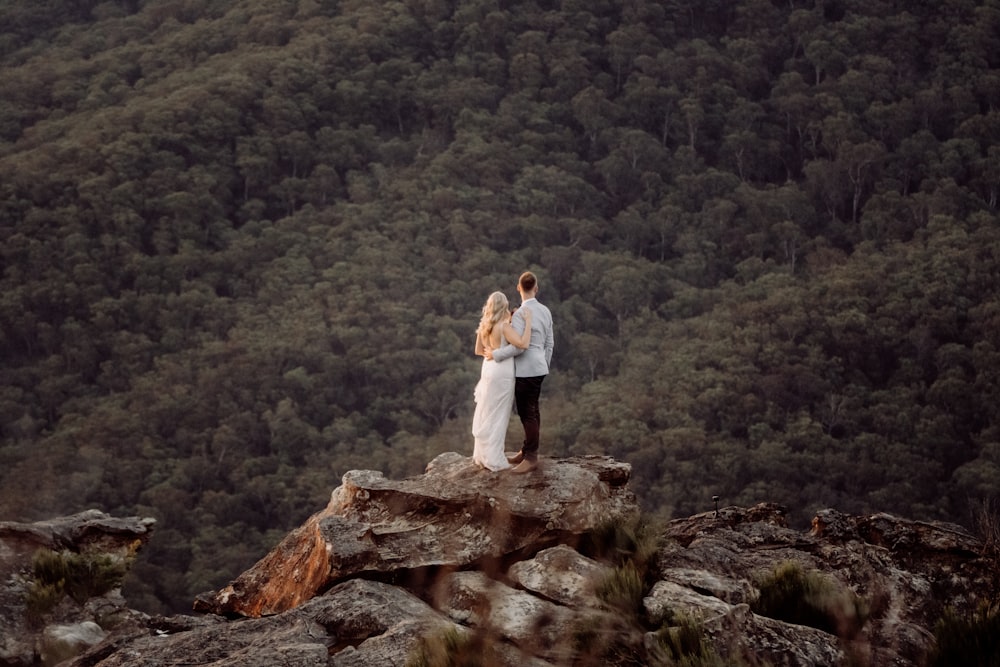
<point>793,594</point>
<point>81,576</point>
<point>42,598</point>
<point>972,641</point>
<point>243,246</point>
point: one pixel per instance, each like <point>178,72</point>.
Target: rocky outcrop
<point>513,565</point>
<point>70,626</point>
<point>905,573</point>
<point>454,515</point>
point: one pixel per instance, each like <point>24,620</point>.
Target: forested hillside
<point>244,245</point>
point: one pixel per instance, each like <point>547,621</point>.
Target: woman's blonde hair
<point>495,310</point>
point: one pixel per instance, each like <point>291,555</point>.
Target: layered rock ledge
<point>453,515</point>
<point>509,562</point>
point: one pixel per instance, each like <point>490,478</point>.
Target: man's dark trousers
<point>526,394</point>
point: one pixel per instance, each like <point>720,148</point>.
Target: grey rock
<point>743,633</point>
<point>358,622</point>
<point>561,575</point>
<point>735,631</point>
<point>453,515</point>
<point>61,642</point>
<point>727,589</point>
<point>906,572</point>
<point>667,599</point>
<point>535,626</point>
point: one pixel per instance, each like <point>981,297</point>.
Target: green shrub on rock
<point>81,576</point>
<point>972,641</point>
<point>792,594</point>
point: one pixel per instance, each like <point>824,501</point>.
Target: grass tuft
<point>681,642</point>
<point>449,648</point>
<point>792,594</point>
<point>600,641</point>
<point>972,641</point>
<point>623,590</point>
<point>633,540</point>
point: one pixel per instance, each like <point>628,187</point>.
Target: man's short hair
<point>527,281</point>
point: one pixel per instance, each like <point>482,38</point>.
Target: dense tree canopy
<point>244,244</point>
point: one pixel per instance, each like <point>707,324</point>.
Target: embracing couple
<point>516,350</point>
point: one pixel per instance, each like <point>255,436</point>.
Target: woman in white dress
<point>495,390</point>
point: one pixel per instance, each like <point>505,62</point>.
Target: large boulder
<point>61,642</point>
<point>454,515</point>
<point>356,623</point>
<point>562,575</point>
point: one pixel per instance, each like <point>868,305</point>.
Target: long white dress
<point>494,402</point>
